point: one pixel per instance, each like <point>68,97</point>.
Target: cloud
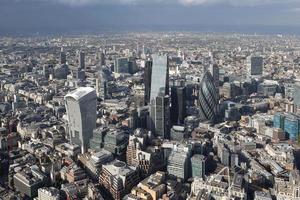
<point>182,2</point>
<point>236,2</point>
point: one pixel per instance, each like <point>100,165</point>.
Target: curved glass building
<point>208,98</point>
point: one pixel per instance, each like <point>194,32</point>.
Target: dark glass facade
<point>208,98</point>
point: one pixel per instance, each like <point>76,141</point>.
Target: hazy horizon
<point>29,17</point>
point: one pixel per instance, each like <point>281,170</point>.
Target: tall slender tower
<point>81,106</point>
<point>63,57</point>
<point>81,60</point>
<point>159,97</point>
<point>178,105</point>
<point>147,80</point>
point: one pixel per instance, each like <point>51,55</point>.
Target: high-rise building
<point>297,97</point>
<point>214,70</point>
<point>179,163</point>
<point>178,105</point>
<point>63,57</point>
<point>102,59</point>
<point>160,76</point>
<point>81,60</point>
<point>159,99</point>
<point>255,65</point>
<point>147,80</point>
<point>160,116</point>
<point>121,65</point>
<point>288,122</point>
<point>208,98</point>
<point>81,106</point>
<point>198,163</point>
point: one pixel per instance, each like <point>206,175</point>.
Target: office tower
<point>102,59</point>
<point>63,57</point>
<point>159,99</point>
<point>143,115</point>
<point>160,116</point>
<point>121,65</point>
<point>159,76</point>
<point>118,179</point>
<point>178,163</point>
<point>255,65</point>
<point>178,105</point>
<point>289,123</point>
<point>49,193</point>
<point>225,156</point>
<point>208,98</point>
<point>81,106</point>
<point>147,80</point>
<point>214,70</point>
<point>132,66</point>
<point>115,141</point>
<point>297,97</point>
<point>81,60</point>
<point>198,163</point>
<point>97,140</point>
<point>101,85</point>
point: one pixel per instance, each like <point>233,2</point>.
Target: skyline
<point>27,17</point>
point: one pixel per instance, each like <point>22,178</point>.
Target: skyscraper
<point>81,111</point>
<point>63,57</point>
<point>160,76</point>
<point>121,65</point>
<point>160,116</point>
<point>297,97</point>
<point>178,105</point>
<point>208,98</point>
<point>159,96</point>
<point>147,80</point>
<point>214,70</point>
<point>81,60</point>
<point>255,64</point>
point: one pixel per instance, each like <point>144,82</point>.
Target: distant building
<point>81,60</point>
<point>81,112</point>
<point>63,57</point>
<point>147,80</point>
<point>256,65</point>
<point>121,65</point>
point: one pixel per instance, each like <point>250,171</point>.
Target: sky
<point>96,16</point>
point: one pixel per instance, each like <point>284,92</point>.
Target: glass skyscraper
<point>160,76</point>
<point>208,98</point>
<point>159,97</point>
